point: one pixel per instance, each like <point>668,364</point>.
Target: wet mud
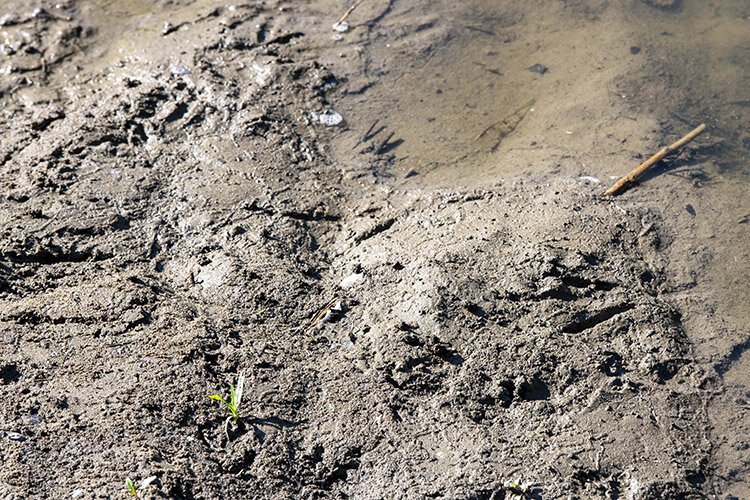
<point>429,299</point>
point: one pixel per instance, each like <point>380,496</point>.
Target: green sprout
<point>130,486</point>
<point>235,397</point>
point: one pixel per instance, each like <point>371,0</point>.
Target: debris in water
<point>341,27</point>
<point>626,180</point>
<point>382,148</point>
<point>538,68</point>
<point>506,126</point>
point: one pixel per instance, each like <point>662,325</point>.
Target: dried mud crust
<point>164,231</point>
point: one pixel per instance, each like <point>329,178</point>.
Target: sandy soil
<point>174,214</point>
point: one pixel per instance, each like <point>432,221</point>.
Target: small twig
<point>384,143</point>
<point>369,130</point>
<point>348,12</point>
<point>633,175</point>
<point>321,316</point>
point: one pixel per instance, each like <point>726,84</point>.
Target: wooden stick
<point>348,12</point>
<point>384,143</point>
<point>633,175</point>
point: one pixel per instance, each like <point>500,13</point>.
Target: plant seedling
<point>130,486</point>
<point>235,397</point>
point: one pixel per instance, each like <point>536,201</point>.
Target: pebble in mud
<point>15,436</point>
<point>538,68</point>
<point>10,19</point>
<point>180,70</point>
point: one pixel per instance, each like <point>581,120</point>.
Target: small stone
<point>15,436</point>
<point>10,19</point>
<point>635,49</point>
<point>538,68</point>
<point>351,280</point>
<point>341,27</point>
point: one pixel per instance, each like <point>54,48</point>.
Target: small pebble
<point>10,19</point>
<point>635,49</point>
<point>15,436</point>
<point>341,27</point>
<point>347,343</point>
<point>351,280</point>
<point>538,68</point>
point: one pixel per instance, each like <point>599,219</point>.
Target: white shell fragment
<point>351,280</point>
<point>329,118</point>
<point>262,74</point>
<point>15,436</point>
<point>341,27</point>
<point>148,481</point>
<point>589,178</point>
<point>180,70</point>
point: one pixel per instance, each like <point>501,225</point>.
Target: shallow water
<point>610,83</point>
<point>613,81</point>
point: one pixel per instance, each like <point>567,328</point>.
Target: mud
<point>174,214</point>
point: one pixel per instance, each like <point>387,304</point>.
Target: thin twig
<point>633,175</point>
<point>369,130</point>
<point>348,12</point>
<point>384,143</point>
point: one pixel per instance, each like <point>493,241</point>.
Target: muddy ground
<point>174,213</point>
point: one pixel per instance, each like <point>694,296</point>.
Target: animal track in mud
<point>502,332</point>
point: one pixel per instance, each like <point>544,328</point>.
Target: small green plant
<point>235,397</point>
<point>130,486</point>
